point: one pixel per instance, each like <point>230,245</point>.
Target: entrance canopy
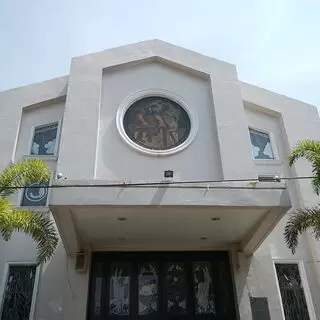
<point>101,216</point>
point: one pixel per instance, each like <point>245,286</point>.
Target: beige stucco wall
<point>256,275</point>
<point>116,160</point>
<point>289,121</point>
<point>61,293</point>
<point>59,286</point>
<point>12,104</point>
<point>83,106</point>
<point>34,117</point>
<point>221,149</point>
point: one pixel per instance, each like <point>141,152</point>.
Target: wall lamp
<point>168,174</point>
<point>269,178</point>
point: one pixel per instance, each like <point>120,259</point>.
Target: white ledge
<point>254,184</point>
<point>243,194</point>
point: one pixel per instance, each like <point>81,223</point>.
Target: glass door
<point>168,286</point>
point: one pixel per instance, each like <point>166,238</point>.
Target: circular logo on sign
<point>156,123</point>
<point>34,194</point>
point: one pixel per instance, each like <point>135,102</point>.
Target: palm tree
<point>38,225</point>
<point>307,218</point>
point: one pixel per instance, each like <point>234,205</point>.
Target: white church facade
<point>163,192</point>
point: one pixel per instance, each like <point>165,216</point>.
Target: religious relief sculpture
<point>119,290</point>
<point>157,123</point>
<point>176,289</point>
<point>203,288</point>
<point>148,289</point>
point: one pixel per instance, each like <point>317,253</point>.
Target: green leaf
<point>19,174</point>
<point>309,218</point>
<point>38,225</point>
<point>299,221</point>
<point>310,150</point>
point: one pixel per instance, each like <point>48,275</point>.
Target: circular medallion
<point>157,123</point>
<point>36,194</point>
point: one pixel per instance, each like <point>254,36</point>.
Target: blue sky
<point>275,44</point>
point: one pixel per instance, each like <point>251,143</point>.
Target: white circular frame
<point>35,199</point>
<point>127,103</point>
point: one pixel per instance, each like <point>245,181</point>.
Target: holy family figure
<point>157,123</point>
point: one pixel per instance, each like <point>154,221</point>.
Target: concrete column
<point>232,127</point>
<point>9,130</point>
<point>240,271</point>
<point>77,154</point>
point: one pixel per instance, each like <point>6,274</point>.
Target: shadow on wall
<point>55,292</point>
<point>241,273</point>
<point>117,162</point>
<point>120,161</point>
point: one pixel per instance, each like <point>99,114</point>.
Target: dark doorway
<point>161,286</point>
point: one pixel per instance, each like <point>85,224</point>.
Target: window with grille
<point>18,292</point>
<point>292,291</point>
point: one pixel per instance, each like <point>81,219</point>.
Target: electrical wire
<point>161,183</point>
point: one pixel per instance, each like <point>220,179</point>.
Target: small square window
<point>261,145</point>
<point>35,195</point>
<point>44,140</point>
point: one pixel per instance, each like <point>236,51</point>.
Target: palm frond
<point>310,150</point>
<point>299,221</point>
<point>25,172</point>
<point>5,206</point>
<point>38,225</point>
<point>315,182</point>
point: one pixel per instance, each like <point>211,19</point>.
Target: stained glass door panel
<point>203,290</point>
<point>148,288</point>
<point>120,289</point>
<point>161,286</point>
<point>176,288</point>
